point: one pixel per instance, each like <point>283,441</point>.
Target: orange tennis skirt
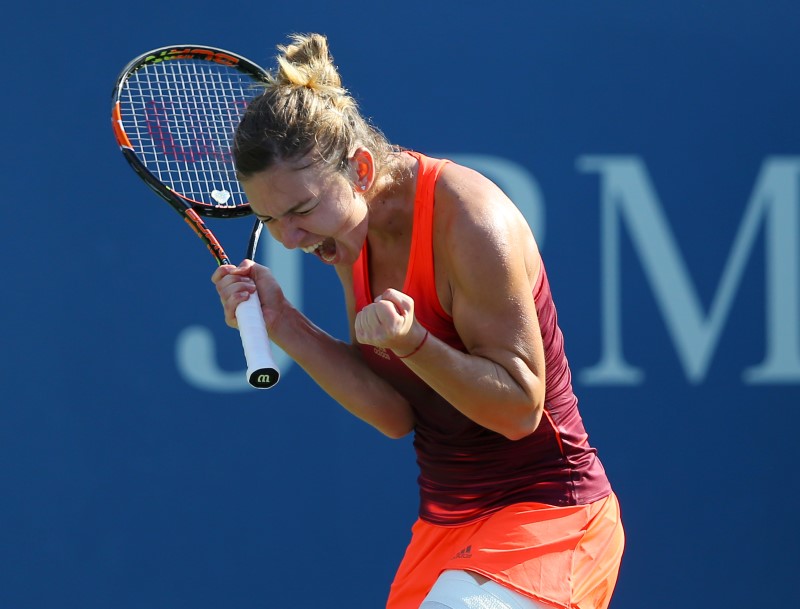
<point>560,556</point>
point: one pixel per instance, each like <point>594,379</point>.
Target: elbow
<point>526,408</point>
<point>395,433</point>
<point>525,425</point>
<point>396,430</point>
<point>397,426</point>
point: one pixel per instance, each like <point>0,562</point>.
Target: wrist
<point>417,348</point>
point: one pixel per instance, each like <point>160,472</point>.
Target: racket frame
<point>262,372</point>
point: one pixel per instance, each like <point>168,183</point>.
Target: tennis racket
<point>174,113</point>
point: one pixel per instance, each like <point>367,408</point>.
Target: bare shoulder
<point>475,221</point>
<point>484,246</point>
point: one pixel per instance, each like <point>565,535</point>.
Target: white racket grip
<point>262,372</point>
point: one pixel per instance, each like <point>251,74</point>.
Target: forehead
<point>287,183</point>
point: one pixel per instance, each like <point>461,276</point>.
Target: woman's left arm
<point>491,262</point>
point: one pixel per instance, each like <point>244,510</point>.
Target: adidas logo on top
<point>464,553</point>
<point>381,352</point>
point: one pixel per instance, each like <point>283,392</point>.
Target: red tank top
<point>466,470</point>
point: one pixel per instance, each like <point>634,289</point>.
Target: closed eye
<point>298,210</point>
<point>305,212</point>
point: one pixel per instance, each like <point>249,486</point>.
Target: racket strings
<point>180,116</point>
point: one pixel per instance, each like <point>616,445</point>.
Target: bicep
<point>494,265</point>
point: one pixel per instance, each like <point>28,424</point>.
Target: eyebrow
<point>292,209</point>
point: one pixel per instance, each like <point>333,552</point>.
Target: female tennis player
<point>454,337</point>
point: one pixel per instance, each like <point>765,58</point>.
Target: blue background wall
<point>126,484</point>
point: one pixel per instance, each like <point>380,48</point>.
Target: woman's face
<point>312,207</point>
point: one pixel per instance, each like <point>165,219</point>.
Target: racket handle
<point>262,372</point>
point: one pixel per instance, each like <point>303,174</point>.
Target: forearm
<point>508,399</point>
<point>337,367</point>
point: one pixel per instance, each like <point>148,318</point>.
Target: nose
<point>286,232</point>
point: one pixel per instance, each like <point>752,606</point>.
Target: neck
<point>391,202</point>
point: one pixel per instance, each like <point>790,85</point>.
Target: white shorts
<point>461,590</point>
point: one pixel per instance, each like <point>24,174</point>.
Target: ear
<point>362,169</point>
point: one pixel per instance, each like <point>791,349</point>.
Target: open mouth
<point>325,250</point>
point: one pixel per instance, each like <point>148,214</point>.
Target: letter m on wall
<point>628,199</point>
